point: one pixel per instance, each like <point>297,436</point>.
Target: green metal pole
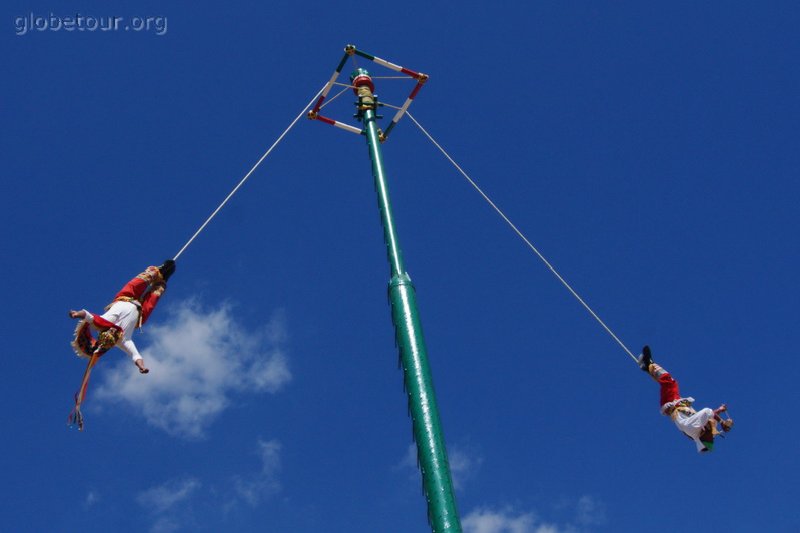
<point>428,434</point>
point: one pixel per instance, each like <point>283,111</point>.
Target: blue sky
<point>650,152</point>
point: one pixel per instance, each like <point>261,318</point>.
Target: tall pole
<point>428,434</point>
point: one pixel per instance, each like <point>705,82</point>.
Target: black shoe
<point>167,269</point>
<point>646,359</point>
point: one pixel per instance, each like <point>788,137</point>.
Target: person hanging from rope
<point>700,426</point>
<point>130,308</point>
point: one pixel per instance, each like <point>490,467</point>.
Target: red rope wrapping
<point>75,417</point>
<point>85,345</point>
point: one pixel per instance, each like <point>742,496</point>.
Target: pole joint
<point>365,90</point>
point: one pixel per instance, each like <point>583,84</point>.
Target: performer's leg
<point>99,322</point>
<point>669,387</point>
<point>646,359</point>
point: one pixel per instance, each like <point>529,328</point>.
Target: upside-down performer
<point>130,309</point>
<point>700,426</point>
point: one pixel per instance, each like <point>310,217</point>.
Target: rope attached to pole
<point>247,176</point>
<point>525,239</point>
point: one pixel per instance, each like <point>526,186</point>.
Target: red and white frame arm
<point>351,50</point>
<point>336,123</point>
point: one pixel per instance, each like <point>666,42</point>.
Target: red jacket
<point>137,289</point>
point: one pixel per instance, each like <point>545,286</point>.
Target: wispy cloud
<point>409,460</point>
<point>183,503</point>
<point>587,511</point>
<point>92,498</point>
<point>198,359</point>
<point>163,497</point>
<point>464,463</point>
<point>165,524</point>
<point>169,502</point>
<point>505,520</point>
<point>590,511</point>
<point>260,485</point>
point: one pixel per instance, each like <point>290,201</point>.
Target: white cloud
<point>198,359</point>
<point>255,487</point>
<point>161,498</point>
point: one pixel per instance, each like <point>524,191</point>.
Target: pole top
<point>360,77</point>
<point>362,85</point>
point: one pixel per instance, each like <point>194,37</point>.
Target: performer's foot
<point>144,370</point>
<point>77,314</point>
<point>646,359</point>
<point>140,365</point>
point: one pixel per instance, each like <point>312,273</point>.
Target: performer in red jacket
<point>130,308</point>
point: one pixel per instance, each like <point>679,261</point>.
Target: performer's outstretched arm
<point>129,348</point>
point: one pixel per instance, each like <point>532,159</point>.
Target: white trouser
<point>126,316</point>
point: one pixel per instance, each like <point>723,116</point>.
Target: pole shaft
<point>428,434</point>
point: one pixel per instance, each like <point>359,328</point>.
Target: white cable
<point>346,87</point>
<point>531,246</point>
<point>282,135</point>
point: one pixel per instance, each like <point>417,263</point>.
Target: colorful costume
<point>130,308</point>
<point>694,424</point>
<point>700,426</point>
